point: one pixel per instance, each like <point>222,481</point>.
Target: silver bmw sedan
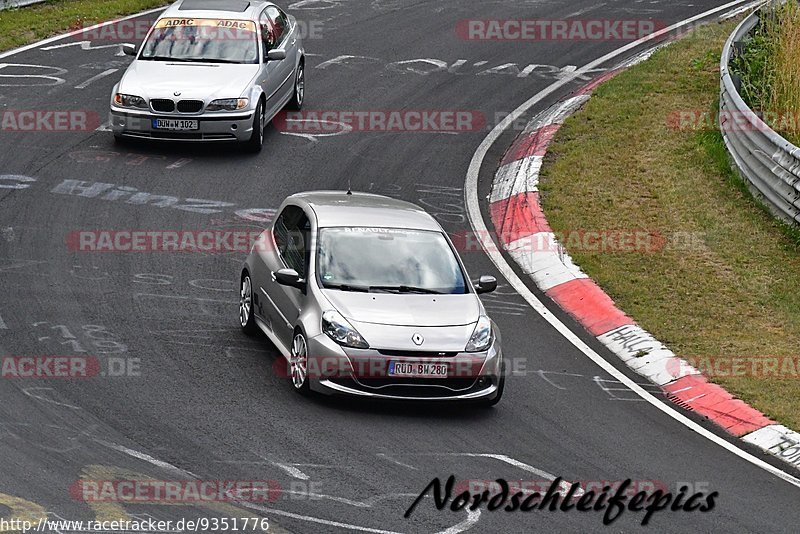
<point>211,70</point>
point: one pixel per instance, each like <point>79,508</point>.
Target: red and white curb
<point>523,231</point>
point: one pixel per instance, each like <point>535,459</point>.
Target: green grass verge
<point>24,25</point>
<point>618,164</point>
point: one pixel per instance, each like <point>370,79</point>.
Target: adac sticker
<point>214,23</point>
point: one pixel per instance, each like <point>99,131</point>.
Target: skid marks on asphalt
<point>166,303</point>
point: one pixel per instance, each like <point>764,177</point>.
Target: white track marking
<point>30,392</point>
<point>564,485</point>
<point>472,518</point>
<point>103,74</point>
<point>739,10</point>
<point>3,325</point>
<point>542,372</point>
<point>180,163</point>
<point>345,129</point>
<point>146,458</point>
<point>291,470</point>
<point>396,462</point>
<point>479,226</point>
<point>83,45</point>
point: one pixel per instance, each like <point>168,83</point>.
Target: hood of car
<point>201,81</point>
<point>406,309</point>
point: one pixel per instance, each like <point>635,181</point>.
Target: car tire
<point>299,96</point>
<point>120,140</point>
<point>246,319</point>
<point>298,364</point>
<point>256,141</point>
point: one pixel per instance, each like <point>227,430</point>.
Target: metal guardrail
<point>6,4</point>
<point>769,163</point>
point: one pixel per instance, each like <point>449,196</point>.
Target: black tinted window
<point>292,233</point>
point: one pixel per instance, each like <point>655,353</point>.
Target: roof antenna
<point>349,188</point>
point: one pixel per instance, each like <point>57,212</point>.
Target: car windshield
<point>202,40</point>
<point>388,260</point>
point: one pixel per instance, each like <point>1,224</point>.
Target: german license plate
<point>417,369</point>
<point>176,124</point>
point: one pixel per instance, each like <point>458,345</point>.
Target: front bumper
<point>139,125</point>
<point>362,373</point>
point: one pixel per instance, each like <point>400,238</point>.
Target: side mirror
<point>129,49</point>
<point>486,284</point>
<point>290,278</point>
<point>276,54</point>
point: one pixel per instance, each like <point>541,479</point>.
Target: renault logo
<point>418,339</point>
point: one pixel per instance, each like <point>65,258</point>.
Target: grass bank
<point>24,25</point>
<point>726,287</point>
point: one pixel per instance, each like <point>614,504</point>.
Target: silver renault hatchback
<point>366,296</point>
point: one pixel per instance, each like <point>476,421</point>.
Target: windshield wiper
<point>233,61</point>
<point>188,59</point>
<point>347,287</point>
<point>406,289</point>
<point>165,58</point>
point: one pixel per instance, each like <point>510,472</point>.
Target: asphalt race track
<point>212,402</point>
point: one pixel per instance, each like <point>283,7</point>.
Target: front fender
<point>255,96</point>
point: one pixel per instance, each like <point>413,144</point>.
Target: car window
<point>269,37</point>
<point>292,232</point>
<point>279,21</point>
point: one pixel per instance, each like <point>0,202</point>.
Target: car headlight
<point>338,329</point>
<point>228,104</point>
<point>130,101</point>
<point>482,336</point>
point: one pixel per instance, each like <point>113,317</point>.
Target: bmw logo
<point>177,93</point>
<point>418,339</point>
